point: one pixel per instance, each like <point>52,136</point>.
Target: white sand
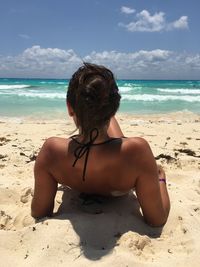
<point>111,232</point>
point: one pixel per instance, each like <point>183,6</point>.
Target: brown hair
<point>94,96</point>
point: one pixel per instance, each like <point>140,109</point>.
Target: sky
<point>141,39</point>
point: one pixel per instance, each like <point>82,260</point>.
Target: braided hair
<point>94,96</point>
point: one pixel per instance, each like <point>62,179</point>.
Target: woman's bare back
<point>109,165</point>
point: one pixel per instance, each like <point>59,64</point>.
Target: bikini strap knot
<point>83,149</point>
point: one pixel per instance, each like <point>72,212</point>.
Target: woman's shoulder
<point>54,141</point>
<point>140,151</point>
<point>55,144</point>
<point>135,143</point>
<point>136,148</point>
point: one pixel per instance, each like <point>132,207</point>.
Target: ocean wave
<point>131,84</point>
<point>149,97</point>
<point>47,82</point>
<point>60,95</point>
<point>53,82</point>
<point>124,89</point>
<point>16,86</point>
<point>125,97</point>
<point>184,91</point>
<point>62,83</point>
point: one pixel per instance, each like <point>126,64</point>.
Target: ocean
<point>46,97</point>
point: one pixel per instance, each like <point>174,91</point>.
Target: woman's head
<point>94,96</point>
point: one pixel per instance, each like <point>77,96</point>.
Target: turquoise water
<point>35,97</point>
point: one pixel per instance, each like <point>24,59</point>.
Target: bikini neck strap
<point>84,148</point>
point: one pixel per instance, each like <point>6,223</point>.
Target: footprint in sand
<point>5,221</point>
<point>23,219</point>
<point>136,243</point>
<point>20,221</point>
<point>2,166</point>
<point>27,193</point>
<point>3,157</point>
<point>198,191</point>
<point>4,140</point>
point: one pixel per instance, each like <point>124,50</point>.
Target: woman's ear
<point>70,110</point>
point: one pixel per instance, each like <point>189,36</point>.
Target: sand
<point>100,232</point>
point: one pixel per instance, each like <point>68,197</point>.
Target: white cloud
<point>181,23</point>
<point>40,62</point>
<point>145,22</point>
<point>193,61</point>
<point>126,65</point>
<point>127,10</point>
<point>24,36</point>
<point>58,63</point>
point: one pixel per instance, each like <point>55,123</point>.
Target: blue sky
<point>140,39</point>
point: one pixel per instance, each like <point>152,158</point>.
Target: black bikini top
<point>84,148</point>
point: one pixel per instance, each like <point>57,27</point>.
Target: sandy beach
<point>100,232</point>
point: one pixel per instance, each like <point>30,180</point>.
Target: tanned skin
<point>121,165</point>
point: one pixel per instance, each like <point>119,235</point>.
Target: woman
<point>99,160</point>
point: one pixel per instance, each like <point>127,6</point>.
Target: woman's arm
<point>45,185</point>
<point>163,189</point>
<point>152,194</point>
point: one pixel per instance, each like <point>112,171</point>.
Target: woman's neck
<point>97,135</point>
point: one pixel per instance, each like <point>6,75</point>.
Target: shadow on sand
<point>101,221</point>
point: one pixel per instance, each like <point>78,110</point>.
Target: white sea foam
<point>184,91</point>
<point>53,83</point>
<point>124,89</point>
<point>149,97</point>
<point>47,82</point>
<point>16,86</point>
<point>142,97</point>
<point>60,95</point>
<point>131,84</point>
<point>125,97</point>
<point>62,83</point>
